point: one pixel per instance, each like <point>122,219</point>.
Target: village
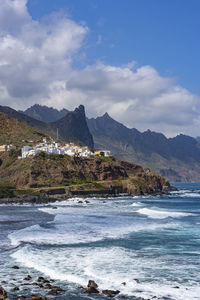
<point>54,147</point>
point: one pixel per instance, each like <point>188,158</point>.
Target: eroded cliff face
<point>94,173</point>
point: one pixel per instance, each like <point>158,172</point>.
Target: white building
<point>56,148</point>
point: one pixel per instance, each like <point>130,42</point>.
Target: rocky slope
<point>80,176</point>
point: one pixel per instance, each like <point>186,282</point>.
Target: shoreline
<point>45,198</point>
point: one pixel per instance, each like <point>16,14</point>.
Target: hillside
<point>18,133</point>
<point>178,159</point>
<point>71,128</point>
<point>79,175</point>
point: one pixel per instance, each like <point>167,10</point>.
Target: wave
<point>161,214</point>
<point>109,267</point>
<point>60,232</point>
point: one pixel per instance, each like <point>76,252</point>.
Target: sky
<point>138,60</point>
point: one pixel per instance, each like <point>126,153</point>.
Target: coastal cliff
<point>70,176</point>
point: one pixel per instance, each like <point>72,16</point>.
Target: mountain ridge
<point>68,127</point>
<point>44,113</point>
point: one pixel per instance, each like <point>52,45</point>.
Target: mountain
<point>71,128</point>
<point>177,158</point>
<point>45,113</point>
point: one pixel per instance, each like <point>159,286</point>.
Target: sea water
<point>151,244</point>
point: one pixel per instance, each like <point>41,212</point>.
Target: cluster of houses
<point>52,147</point>
<point>57,148</point>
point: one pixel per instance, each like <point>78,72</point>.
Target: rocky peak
<point>80,110</point>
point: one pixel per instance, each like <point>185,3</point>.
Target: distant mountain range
<point>45,113</point>
<point>178,158</point>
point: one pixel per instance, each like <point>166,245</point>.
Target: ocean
<point>146,247</point>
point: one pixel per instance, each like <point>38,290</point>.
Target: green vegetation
<point>18,133</point>
<point>7,191</point>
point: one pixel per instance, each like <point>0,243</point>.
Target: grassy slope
<point>14,132</point>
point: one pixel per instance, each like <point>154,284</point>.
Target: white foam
<point>109,267</point>
<point>136,204</point>
<point>162,214</point>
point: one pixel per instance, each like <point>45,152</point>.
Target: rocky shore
<point>47,288</point>
<point>47,197</point>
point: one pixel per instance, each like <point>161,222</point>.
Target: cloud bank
<point>36,59</point>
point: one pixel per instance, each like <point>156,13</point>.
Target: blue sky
<point>138,60</point>
<point>163,34</point>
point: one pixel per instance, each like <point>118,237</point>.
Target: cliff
<point>80,176</point>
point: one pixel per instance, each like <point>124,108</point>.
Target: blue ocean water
<point>150,243</point>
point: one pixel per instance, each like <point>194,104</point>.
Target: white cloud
<point>36,67</point>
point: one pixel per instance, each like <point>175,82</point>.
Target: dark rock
<point>45,281</point>
<point>40,279</point>
<point>48,286</point>
<point>86,201</point>
<point>52,292</point>
<point>3,293</point>
<point>124,283</point>
<point>80,201</point>
<point>137,280</point>
<point>92,283</point>
<point>110,293</point>
<point>35,283</point>
<point>16,288</point>
<point>176,287</point>
<point>34,297</point>
<point>91,290</point>
<point>28,277</point>
<point>54,207</point>
<point>15,267</point>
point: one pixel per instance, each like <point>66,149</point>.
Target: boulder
<point>3,293</point>
<point>110,293</point>
<point>91,290</point>
<point>15,267</point>
<point>92,283</point>
<point>28,277</point>
<point>40,279</point>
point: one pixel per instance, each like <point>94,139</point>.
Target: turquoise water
<point>155,240</point>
